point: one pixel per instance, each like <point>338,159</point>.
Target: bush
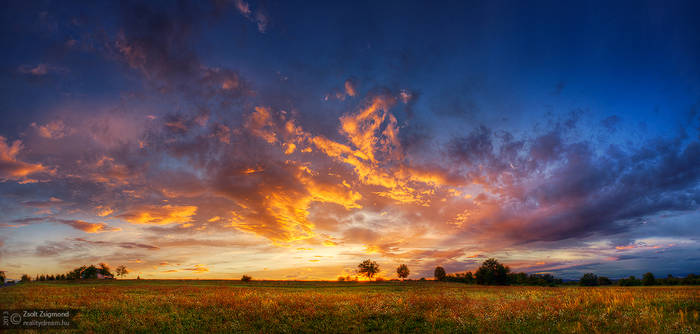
<point>648,279</point>
<point>631,281</point>
<point>691,279</point>
<point>588,279</point>
<point>246,278</point>
<point>602,280</point>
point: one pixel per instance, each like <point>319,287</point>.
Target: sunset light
<point>291,141</point>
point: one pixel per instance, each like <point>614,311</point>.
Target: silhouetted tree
<point>588,279</point>
<point>89,272</point>
<point>368,268</point>
<point>631,281</point>
<point>25,278</point>
<point>440,273</point>
<point>518,278</point>
<point>691,279</point>
<point>403,271</point>
<point>492,272</point>
<point>104,269</point>
<point>122,271</point>
<point>246,278</point>
<point>469,278</point>
<point>76,273</point>
<point>648,279</point>
<point>602,280</point>
<point>2,277</point>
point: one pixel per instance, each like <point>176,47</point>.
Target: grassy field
<point>265,307</point>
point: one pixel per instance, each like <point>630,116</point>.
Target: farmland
<point>274,306</point>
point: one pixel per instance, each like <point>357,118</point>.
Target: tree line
<point>492,272</point>
<point>82,272</point>
<point>648,279</point>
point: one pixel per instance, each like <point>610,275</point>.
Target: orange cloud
<point>52,130</point>
<point>350,88</point>
<point>160,215</point>
<point>198,268</point>
<point>88,227</point>
<point>10,167</point>
<point>373,150</point>
<point>103,211</point>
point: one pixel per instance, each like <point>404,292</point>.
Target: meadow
<point>179,306</point>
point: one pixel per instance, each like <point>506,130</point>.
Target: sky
<point>292,140</point>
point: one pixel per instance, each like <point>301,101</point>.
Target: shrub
<point>648,279</point>
<point>588,279</point>
<point>602,280</point>
<point>631,281</point>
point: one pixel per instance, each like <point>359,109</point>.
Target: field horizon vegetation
<point>520,304</point>
<point>179,306</point>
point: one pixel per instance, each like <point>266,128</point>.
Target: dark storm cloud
<point>558,187</point>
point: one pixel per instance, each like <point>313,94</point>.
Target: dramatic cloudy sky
<point>291,140</point>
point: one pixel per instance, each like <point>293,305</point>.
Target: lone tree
<point>440,273</point>
<point>368,268</point>
<point>122,271</point>
<point>246,278</point>
<point>2,277</point>
<point>589,279</point>
<point>492,272</point>
<point>648,279</point>
<point>403,271</point>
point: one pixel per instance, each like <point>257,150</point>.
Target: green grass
<point>396,307</point>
